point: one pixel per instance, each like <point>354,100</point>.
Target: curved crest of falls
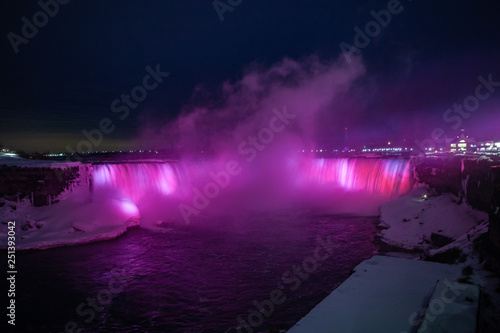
<point>197,185</point>
<point>137,180</point>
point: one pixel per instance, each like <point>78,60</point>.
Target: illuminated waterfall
<point>175,181</point>
<point>136,181</point>
<point>375,176</point>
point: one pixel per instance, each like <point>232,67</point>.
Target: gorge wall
<point>41,185</point>
<point>491,246</point>
<point>477,180</point>
<point>468,178</point>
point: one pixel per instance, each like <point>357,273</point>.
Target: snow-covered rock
<point>68,222</point>
<point>413,218</point>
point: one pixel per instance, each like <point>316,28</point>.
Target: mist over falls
<point>300,103</point>
<point>180,192</point>
<point>250,132</point>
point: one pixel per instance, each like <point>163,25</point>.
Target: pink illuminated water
<point>194,279</point>
<point>202,277</point>
<point>159,188</point>
<point>136,181</point>
<point>389,177</point>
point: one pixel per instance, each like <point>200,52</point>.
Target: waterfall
<point>389,177</point>
<point>136,181</point>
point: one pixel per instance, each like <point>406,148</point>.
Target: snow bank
<point>413,218</point>
<point>68,222</point>
<point>383,295</point>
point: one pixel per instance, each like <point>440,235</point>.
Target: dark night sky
<point>65,78</point>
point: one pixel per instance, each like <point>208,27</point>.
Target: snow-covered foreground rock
<point>68,222</point>
<point>489,313</point>
<point>413,218</point>
<point>391,295</point>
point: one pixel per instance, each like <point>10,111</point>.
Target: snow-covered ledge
<point>413,218</point>
<point>68,222</point>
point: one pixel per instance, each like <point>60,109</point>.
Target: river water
<point>192,278</point>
